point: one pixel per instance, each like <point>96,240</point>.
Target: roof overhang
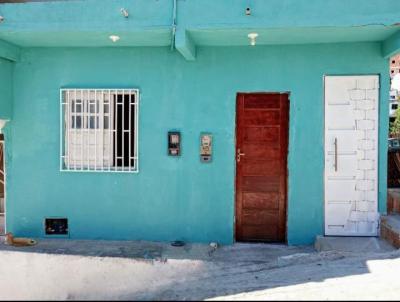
<point>89,23</point>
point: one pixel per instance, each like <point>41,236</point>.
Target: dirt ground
<point>61,269</point>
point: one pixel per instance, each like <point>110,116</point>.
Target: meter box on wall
<point>174,143</point>
<point>206,147</point>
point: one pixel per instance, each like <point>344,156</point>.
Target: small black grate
<point>56,226</point>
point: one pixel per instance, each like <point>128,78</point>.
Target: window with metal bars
<point>99,130</point>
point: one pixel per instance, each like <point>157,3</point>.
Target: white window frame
<point>69,133</point>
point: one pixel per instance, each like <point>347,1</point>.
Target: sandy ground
<point>59,269</point>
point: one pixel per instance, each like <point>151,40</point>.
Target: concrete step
<point>393,203</point>
<point>390,229</point>
<point>352,244</point>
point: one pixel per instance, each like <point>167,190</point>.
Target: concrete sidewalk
<point>156,251</point>
<point>103,270</point>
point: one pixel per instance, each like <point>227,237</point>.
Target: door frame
<point>323,136</point>
<point>3,142</point>
<point>238,94</point>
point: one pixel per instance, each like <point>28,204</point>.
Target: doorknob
<point>239,155</point>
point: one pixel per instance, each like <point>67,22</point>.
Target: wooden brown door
<point>261,166</point>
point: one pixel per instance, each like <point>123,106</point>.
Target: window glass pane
<point>92,108</point>
<point>91,122</point>
<point>106,108</point>
<point>76,122</point>
<point>94,122</point>
<point>76,106</point>
<point>106,122</point>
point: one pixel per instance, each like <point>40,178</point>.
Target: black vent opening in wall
<point>56,226</point>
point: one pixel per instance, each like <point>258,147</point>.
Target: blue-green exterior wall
<point>6,88</point>
<point>175,198</point>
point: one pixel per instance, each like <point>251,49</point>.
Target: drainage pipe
<point>174,11</point>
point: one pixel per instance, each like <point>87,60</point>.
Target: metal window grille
<point>99,130</point>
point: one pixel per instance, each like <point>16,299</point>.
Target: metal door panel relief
<point>351,119</point>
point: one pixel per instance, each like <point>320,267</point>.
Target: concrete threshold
<point>352,244</point>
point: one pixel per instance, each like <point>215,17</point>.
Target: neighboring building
<point>394,93</point>
<point>393,102</point>
<point>158,119</point>
<point>394,66</point>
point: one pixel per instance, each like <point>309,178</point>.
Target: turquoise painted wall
<point>197,14</point>
<point>174,198</point>
<point>6,88</point>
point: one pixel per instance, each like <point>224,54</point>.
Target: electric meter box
<point>206,147</point>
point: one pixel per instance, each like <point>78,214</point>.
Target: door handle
<point>336,154</point>
<point>239,155</point>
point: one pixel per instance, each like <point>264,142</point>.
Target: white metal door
<point>351,155</point>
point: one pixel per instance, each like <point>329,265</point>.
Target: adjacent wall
<point>174,198</point>
<point>6,88</point>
